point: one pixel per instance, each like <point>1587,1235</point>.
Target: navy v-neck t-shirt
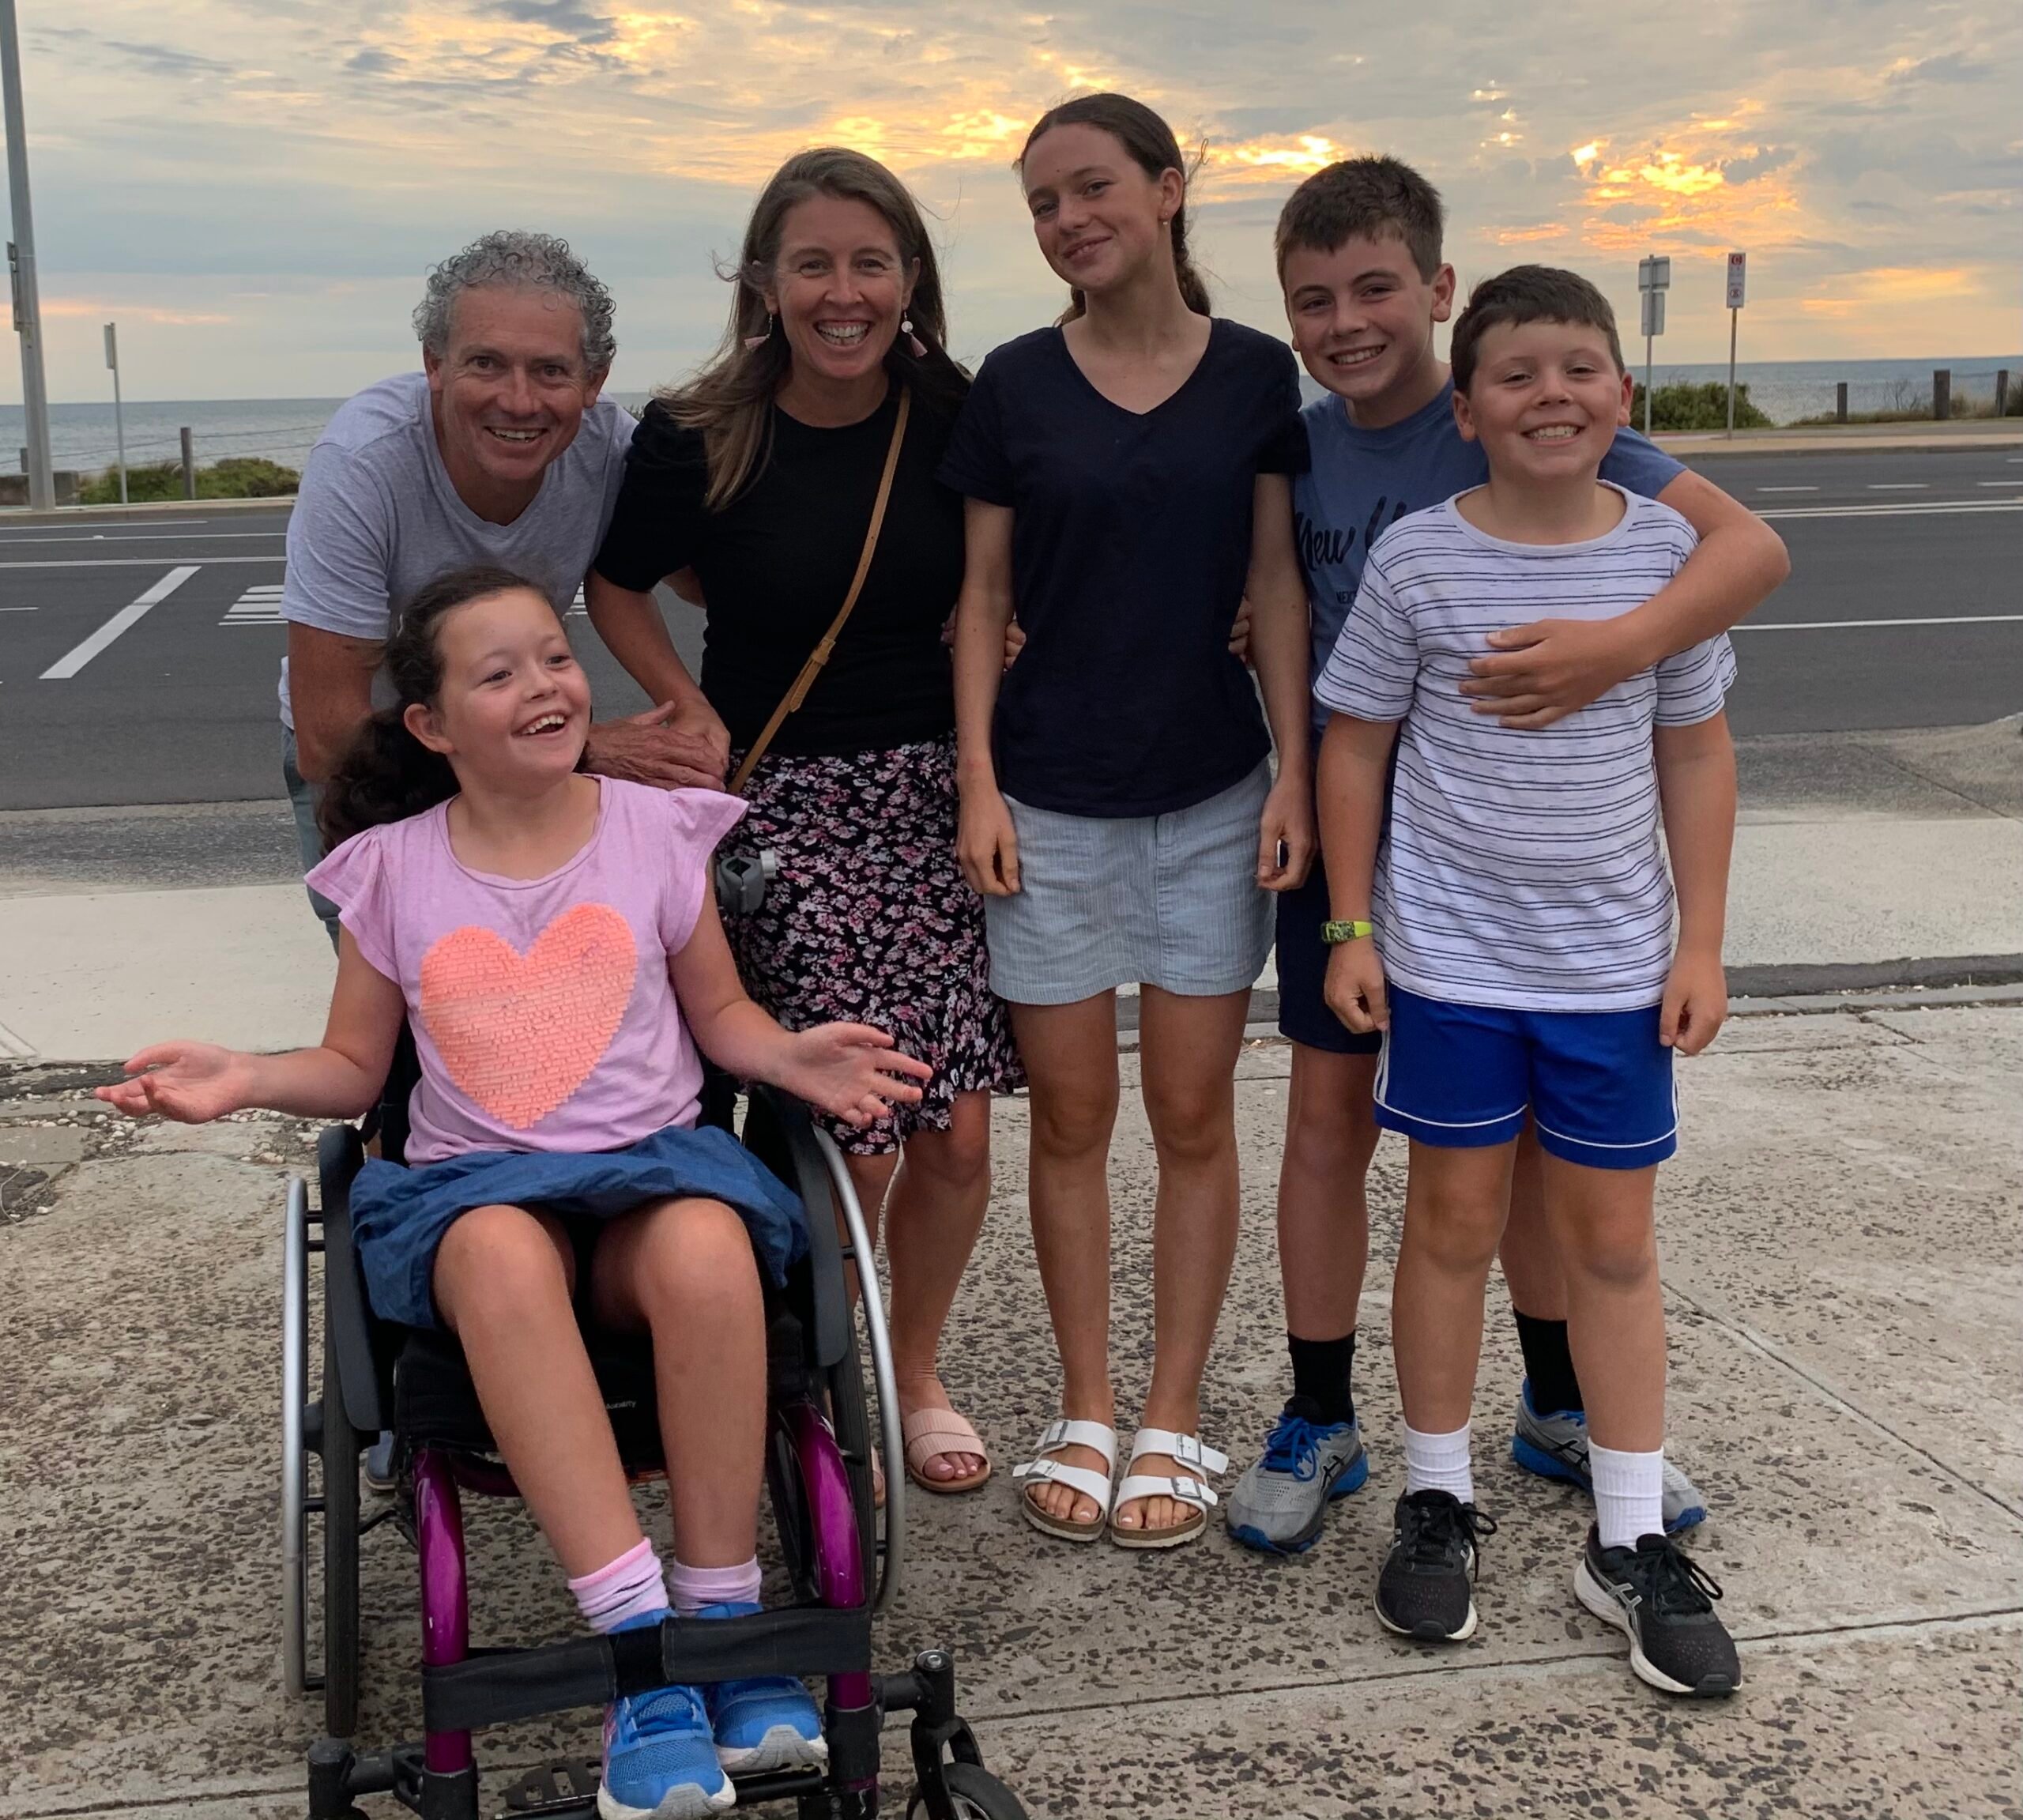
<point>1130,547</point>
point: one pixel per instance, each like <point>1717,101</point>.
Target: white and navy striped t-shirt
<point>1523,868</point>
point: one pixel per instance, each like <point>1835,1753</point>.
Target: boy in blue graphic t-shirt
<point>1514,945</point>
<point>1359,259</point>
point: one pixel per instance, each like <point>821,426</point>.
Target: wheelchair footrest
<point>569,1786</point>
<point>496,1687</point>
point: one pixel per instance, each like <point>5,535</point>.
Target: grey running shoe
<point>379,1464</point>
<point>1279,1505</point>
<point>1664,1602</point>
<point>1556,1447</point>
<point>1427,1588</point>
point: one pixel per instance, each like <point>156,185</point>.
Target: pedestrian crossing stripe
<point>258,606</point>
<point>262,606</point>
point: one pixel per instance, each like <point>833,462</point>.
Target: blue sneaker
<point>660,1762</point>
<point>768,1722</point>
<point>1555,1446</point>
<point>1279,1505</point>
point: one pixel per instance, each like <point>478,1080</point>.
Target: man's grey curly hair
<point>513,256</point>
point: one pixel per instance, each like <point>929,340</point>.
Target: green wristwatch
<point>1332,933</point>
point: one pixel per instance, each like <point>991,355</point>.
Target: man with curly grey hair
<point>501,451</point>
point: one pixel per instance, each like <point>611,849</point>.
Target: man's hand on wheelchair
<point>192,1083</point>
<point>852,1071</point>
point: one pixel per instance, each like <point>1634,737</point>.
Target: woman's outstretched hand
<point>192,1083</point>
<point>852,1071</point>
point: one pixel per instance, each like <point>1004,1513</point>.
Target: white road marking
<point>1853,625</point>
<point>68,665</point>
<point>125,562</point>
<point>140,537</point>
<point>120,525</point>
<point>1788,489</point>
<point>576,607</point>
<point>1899,486</point>
<point>1919,509</point>
<point>1999,484</point>
<point>260,605</point>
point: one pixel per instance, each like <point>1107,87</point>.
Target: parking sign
<point>1737,265</point>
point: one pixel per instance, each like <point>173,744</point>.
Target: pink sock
<point>696,1587</point>
<point>622,1592</point>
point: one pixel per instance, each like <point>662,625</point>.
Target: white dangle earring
<point>754,342</point>
<point>915,344</point>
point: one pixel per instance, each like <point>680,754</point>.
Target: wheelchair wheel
<point>322,1428</point>
<point>341,1643</point>
<point>974,1793</point>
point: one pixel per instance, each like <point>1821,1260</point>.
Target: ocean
<point>283,429</point>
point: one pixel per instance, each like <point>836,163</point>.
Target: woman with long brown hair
<point>829,406</point>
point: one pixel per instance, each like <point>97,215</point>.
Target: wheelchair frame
<point>817,1472</point>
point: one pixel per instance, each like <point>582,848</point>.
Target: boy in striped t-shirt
<point>1523,967</point>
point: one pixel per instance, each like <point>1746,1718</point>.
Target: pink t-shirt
<point>541,1007</point>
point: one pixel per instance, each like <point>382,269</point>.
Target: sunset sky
<point>253,188</point>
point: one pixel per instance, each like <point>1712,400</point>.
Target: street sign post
<point>118,410</point>
<point>1738,272</point>
<point>1654,277</point>
<point>21,253</point>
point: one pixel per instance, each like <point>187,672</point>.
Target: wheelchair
<point>376,1376</point>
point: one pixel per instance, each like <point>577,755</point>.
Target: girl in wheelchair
<point>551,940</point>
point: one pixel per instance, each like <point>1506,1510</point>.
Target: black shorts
<point>1303,1012</point>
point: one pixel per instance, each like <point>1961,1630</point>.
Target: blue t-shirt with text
<point>1362,482</point>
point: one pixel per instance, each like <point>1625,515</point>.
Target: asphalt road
<point>1904,609</point>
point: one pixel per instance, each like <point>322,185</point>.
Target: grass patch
<point>1684,406</point>
<point>238,477</point>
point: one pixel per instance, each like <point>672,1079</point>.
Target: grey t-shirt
<point>377,519</point>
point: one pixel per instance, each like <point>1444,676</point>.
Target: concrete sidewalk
<point>1960,435</point>
<point>1843,1259</point>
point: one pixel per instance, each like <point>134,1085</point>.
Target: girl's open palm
<point>192,1083</point>
<point>852,1071</point>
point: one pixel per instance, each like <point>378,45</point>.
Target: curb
<point>1854,987</point>
<point>1680,444</point>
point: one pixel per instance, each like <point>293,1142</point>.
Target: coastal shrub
<point>1684,406</point>
<point>237,477</point>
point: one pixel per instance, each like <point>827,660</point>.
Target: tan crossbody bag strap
<point>819,656</point>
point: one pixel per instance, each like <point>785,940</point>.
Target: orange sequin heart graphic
<point>519,1033</point>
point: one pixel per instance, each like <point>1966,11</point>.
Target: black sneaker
<point>1426,1590</point>
<point>1664,1601</point>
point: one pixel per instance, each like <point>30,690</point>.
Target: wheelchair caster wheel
<point>973,1793</point>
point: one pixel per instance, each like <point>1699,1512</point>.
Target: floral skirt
<point>869,921</point>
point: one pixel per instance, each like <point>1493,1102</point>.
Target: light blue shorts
<point>1171,901</point>
<point>1597,1085</point>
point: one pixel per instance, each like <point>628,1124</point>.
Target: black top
<point>775,565</point>
<point>1130,546</point>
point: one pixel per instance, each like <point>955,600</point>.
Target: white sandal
<point>1189,1487</point>
<point>1086,1479</point>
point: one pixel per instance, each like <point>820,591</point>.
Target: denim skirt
<point>1171,901</point>
<point>399,1215</point>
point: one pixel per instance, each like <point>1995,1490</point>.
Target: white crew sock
<point>1629,1495</point>
<point>622,1593</point>
<point>1439,1463</point>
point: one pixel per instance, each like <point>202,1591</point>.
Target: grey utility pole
<point>20,256</point>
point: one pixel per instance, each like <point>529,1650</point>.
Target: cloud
<point>255,157</point>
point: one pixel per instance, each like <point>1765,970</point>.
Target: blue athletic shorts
<point>1598,1085</point>
<point>1303,1012</point>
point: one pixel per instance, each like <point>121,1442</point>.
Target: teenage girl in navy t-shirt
<point>1127,481</point>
